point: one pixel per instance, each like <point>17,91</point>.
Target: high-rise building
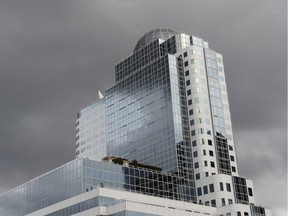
<point>166,129</point>
<point>169,108</point>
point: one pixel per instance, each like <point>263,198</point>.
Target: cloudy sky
<point>55,54</point>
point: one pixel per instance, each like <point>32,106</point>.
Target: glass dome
<point>162,33</point>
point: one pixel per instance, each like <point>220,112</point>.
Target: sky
<point>55,54</point>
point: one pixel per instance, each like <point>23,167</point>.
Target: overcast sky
<point>55,54</point>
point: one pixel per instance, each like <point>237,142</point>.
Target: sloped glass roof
<point>162,33</point>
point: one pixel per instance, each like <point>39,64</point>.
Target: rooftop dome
<point>161,33</point>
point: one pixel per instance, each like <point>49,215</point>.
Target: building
<point>169,108</point>
<point>166,128</point>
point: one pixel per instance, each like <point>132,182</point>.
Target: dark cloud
<point>55,54</point>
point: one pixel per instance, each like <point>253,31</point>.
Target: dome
<point>161,33</point>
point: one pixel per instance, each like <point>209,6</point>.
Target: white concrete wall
<point>130,201</point>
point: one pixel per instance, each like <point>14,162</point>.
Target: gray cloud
<point>55,54</point>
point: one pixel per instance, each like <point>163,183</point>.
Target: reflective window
<point>228,187</point>
<point>199,191</point>
<point>205,190</point>
<point>212,164</point>
<point>221,186</point>
<point>211,188</point>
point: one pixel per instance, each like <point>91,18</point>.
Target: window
<point>228,187</point>
<point>189,92</point>
<point>212,164</point>
<point>195,154</point>
<point>193,133</point>
<point>209,132</point>
<point>196,165</point>
<point>223,202</point>
<point>211,188</point>
<point>246,214</point>
<point>185,54</point>
<point>186,63</point>
<point>192,122</point>
<point>188,82</point>
<point>213,203</point>
<point>238,213</point>
<point>205,190</point>
<point>230,201</point>
<point>233,169</point>
<point>207,203</point>
<point>206,174</point>
<point>199,120</point>
<point>191,112</point>
<point>230,148</point>
<point>200,130</point>
<point>204,152</point>
<point>198,110</point>
<point>196,90</point>
<point>194,143</point>
<point>197,100</point>
<point>205,163</point>
<point>211,153</point>
<point>199,191</point>
<point>221,186</point>
<point>187,73</point>
<point>197,176</point>
<point>232,158</point>
<point>250,192</point>
<point>189,101</point>
<point>209,142</point>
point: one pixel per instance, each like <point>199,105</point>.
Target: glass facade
<point>146,111</point>
<point>144,119</point>
<point>240,190</point>
<point>257,211</point>
<point>215,93</point>
<point>91,131</point>
<point>50,188</point>
<point>82,175</point>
